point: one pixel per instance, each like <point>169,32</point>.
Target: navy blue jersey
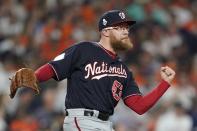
<point>95,79</point>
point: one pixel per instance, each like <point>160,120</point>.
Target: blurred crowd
<point>33,32</point>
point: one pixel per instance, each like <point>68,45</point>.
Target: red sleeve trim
<point>44,73</point>
<point>141,104</point>
<point>132,95</point>
<point>54,71</point>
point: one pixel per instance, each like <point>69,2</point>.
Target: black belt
<point>101,116</point>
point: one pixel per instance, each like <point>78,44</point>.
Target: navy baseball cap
<point>114,17</point>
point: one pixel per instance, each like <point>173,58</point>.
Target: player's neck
<point>106,44</point>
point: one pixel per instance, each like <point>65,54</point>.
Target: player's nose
<point>126,32</point>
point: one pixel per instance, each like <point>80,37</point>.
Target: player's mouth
<point>124,38</point>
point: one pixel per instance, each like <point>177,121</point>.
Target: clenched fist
<point>167,74</point>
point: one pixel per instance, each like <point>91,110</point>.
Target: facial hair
<point>123,44</point>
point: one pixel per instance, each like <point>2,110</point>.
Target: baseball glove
<point>24,77</point>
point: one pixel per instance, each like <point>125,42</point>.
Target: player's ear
<point>105,33</point>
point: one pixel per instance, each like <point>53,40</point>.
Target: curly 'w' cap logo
<point>122,15</point>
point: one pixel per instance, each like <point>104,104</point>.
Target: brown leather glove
<point>24,77</point>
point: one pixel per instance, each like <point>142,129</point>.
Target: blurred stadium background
<point>32,32</point>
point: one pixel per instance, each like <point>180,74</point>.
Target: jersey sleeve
<point>131,87</point>
<point>64,63</point>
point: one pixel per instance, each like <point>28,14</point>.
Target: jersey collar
<point>111,54</point>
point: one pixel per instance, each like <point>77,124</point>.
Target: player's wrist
<point>166,82</point>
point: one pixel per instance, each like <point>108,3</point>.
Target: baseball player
<point>97,78</point>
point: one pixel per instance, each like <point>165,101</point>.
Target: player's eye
<point>121,27</point>
<point>116,28</point>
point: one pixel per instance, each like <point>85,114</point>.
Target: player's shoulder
<point>126,66</point>
<point>86,44</point>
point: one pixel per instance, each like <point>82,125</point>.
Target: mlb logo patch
<point>104,22</point>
